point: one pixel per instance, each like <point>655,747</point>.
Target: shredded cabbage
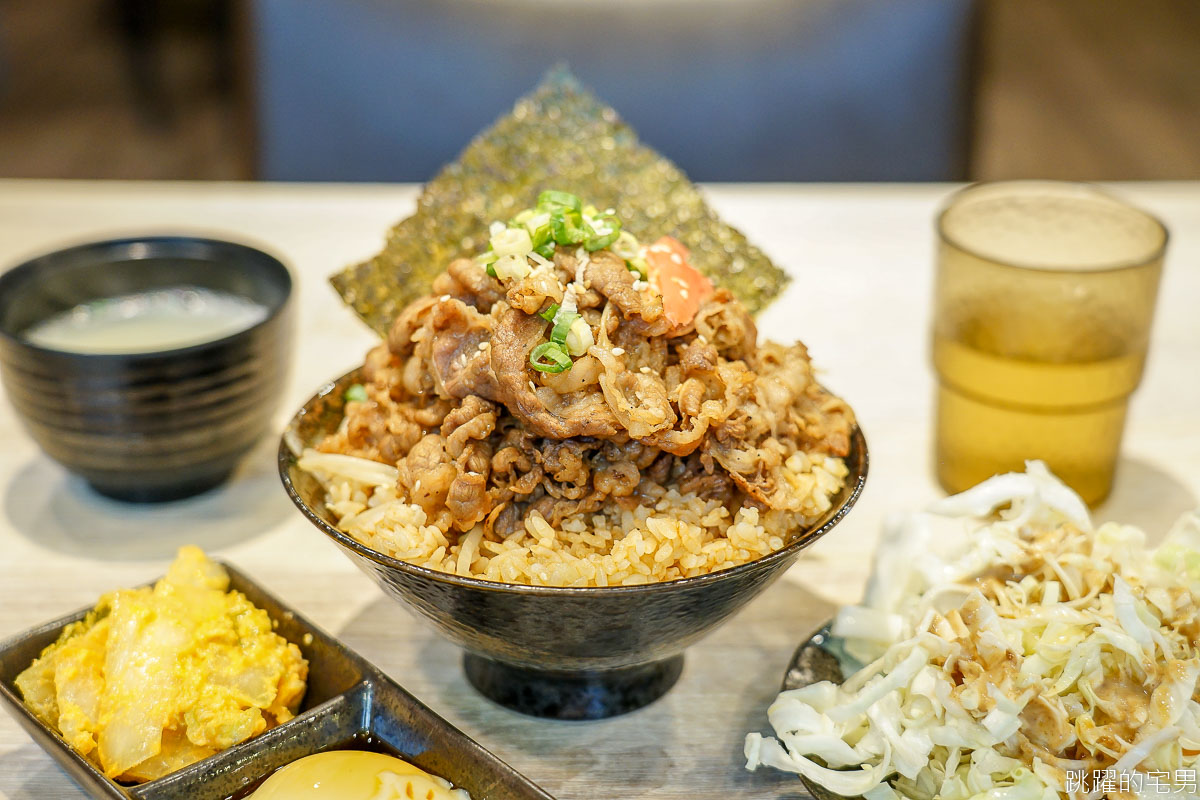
<point>1012,652</point>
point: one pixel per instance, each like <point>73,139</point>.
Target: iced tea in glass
<point>1044,298</point>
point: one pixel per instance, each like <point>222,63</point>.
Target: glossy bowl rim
<point>19,272</point>
<point>286,458</point>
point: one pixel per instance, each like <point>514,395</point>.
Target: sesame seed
<point>532,388</point>
<point>444,298</point>
<point>675,257</point>
<point>679,281</point>
<point>702,339</point>
<point>683,293</point>
<point>417,486</point>
<point>645,370</point>
<point>484,345</point>
<point>618,351</point>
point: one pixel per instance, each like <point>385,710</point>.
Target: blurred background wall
<point>730,89</point>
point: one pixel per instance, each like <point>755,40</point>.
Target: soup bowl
<point>155,425</point>
<point>566,653</point>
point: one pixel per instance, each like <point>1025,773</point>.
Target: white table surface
<point>862,256</point>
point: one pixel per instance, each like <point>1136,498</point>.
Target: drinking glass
<point>1044,298</point>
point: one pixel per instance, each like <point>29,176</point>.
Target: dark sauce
<point>360,741</point>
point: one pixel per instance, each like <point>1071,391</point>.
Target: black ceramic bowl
<point>146,426</point>
<point>568,653</point>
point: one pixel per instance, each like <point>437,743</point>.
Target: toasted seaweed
<point>558,137</point>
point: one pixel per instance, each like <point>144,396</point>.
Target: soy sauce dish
<point>148,366</point>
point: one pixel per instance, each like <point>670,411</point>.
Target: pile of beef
<point>479,435</point>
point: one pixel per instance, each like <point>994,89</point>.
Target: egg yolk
<point>354,775</point>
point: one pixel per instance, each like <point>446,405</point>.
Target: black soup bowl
<point>156,425</point>
<point>566,653</point>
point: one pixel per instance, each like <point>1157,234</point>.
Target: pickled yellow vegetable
<point>157,678</point>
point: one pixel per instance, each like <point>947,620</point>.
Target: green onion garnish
<point>598,241</point>
<point>550,357</point>
<point>551,199</point>
<point>560,219</point>
<point>491,270</point>
<point>562,324</point>
<point>356,393</point>
<point>549,313</point>
<point>569,227</point>
<point>543,235</point>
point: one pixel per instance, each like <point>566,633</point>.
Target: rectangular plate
<point>347,698</point>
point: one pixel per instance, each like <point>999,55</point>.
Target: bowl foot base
<point>584,694</point>
<point>133,491</point>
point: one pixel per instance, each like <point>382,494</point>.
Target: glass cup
<point>1043,303</point>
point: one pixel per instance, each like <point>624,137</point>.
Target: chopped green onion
<point>549,313</point>
<point>550,357</point>
<point>543,235</point>
<point>626,246</point>
<point>638,265</point>
<point>558,219</point>
<point>551,198</point>
<point>562,323</point>
<point>569,228</point>
<point>598,241</point>
<point>491,270</point>
<point>513,267</point>
<point>512,242</point>
<point>579,338</point>
<point>356,393</point>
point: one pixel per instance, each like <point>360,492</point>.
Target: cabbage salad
<point>1011,652</point>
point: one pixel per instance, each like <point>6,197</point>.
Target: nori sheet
<point>558,137</point>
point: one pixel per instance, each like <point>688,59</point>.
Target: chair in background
<point>731,90</point>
